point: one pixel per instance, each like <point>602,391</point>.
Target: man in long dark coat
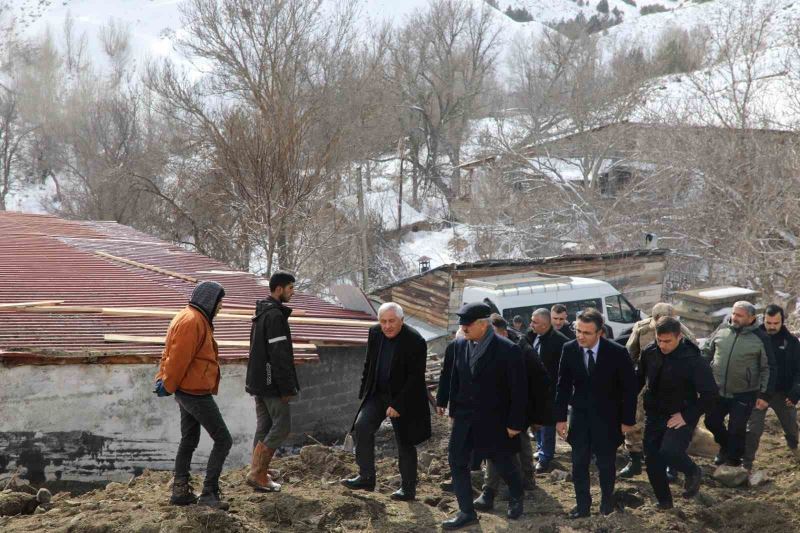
<point>393,385</point>
<point>596,377</point>
<point>488,403</point>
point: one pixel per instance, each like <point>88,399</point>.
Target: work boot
<point>182,493</point>
<point>692,484</point>
<point>259,477</point>
<point>720,459</point>
<point>514,508</point>
<point>360,483</point>
<point>211,498</point>
<point>634,466</point>
<point>542,467</point>
<point>485,502</point>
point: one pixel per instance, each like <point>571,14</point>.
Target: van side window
<point>618,309</point>
<point>572,309</point>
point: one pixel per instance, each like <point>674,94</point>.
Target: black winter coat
<point>270,368</point>
<point>491,399</point>
<point>786,349</point>
<point>606,400</point>
<point>443,390</point>
<point>409,393</point>
<point>680,382</point>
<point>540,388</point>
<point>550,348</point>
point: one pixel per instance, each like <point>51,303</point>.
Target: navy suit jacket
<point>600,403</point>
<point>490,399</point>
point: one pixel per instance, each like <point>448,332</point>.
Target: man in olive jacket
<point>393,385</point>
<point>271,378</point>
<point>742,361</point>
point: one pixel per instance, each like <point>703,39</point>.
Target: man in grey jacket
<point>742,362</point>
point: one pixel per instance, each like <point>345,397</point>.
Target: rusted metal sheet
<point>47,258</point>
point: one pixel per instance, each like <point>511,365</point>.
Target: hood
<point>262,306</point>
<point>205,298</point>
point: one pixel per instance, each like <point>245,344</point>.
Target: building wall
<point>101,422</point>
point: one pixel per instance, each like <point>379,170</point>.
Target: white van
<point>521,294</point>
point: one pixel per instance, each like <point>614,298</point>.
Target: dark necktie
<point>590,365</point>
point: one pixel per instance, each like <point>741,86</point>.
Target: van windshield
<point>572,309</point>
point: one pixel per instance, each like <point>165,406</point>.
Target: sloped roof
<point>84,264</point>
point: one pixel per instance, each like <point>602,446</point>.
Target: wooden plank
<point>151,268</point>
<point>168,313</point>
<point>23,305</point>
<point>141,339</point>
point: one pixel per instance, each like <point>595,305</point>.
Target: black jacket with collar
<point>270,367</point>
<point>680,382</point>
<point>786,349</point>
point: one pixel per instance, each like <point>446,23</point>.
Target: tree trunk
<point>362,216</point>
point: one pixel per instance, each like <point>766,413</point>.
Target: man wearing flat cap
<point>488,401</point>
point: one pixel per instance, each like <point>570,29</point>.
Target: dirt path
<point>313,500</point>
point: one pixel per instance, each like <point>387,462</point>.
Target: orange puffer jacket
<point>190,362</point>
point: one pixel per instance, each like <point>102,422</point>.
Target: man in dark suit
<point>547,342</point>
<point>488,402</point>
<point>393,385</point>
<point>560,320</point>
<point>596,377</point>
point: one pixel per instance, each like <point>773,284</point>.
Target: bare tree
<point>441,61</point>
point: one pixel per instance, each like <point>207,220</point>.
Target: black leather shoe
<point>720,459</point>
<point>484,502</point>
<point>633,468</point>
<point>672,475</point>
<point>606,508</point>
<point>514,508</point>
<point>664,505</point>
<point>578,513</point>
<point>360,483</point>
<point>404,495</point>
<point>460,520</point>
<point>542,467</point>
<point>692,484</point>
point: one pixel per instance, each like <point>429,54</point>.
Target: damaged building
<point>84,308</point>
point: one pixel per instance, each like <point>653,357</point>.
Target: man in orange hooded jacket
<point>190,369</point>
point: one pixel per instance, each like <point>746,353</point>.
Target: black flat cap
<point>469,313</point>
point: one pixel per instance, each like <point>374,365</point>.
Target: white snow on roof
<point>726,292</point>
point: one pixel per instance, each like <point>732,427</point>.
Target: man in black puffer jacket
<point>680,389</point>
<point>271,377</point>
<point>783,401</point>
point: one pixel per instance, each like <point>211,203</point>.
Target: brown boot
<point>259,477</point>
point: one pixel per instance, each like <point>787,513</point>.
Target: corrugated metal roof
<point>46,258</point>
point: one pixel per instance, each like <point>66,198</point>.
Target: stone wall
<point>102,422</point>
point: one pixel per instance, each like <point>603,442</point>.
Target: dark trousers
<point>787,416</point>
<point>372,414</point>
<point>197,411</point>
<point>459,455</point>
<point>731,439</point>
<point>583,448</point>
<point>666,447</point>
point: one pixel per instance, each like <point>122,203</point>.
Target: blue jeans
<point>546,443</point>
